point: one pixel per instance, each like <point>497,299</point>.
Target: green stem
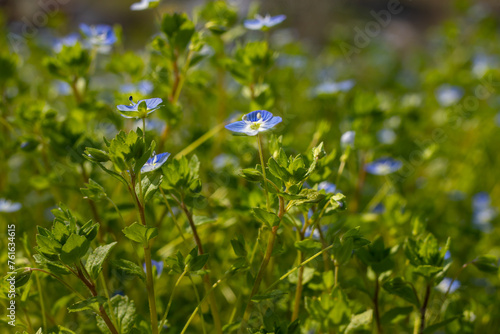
<point>172,214</point>
<point>144,130</point>
<point>376,305</point>
<point>424,308</point>
<point>108,297</point>
<point>151,289</point>
<point>198,301</point>
<point>208,293</point>
<point>116,209</point>
<point>61,281</point>
<point>191,147</point>
<point>261,154</point>
<point>263,265</point>
<point>42,304</point>
<point>164,318</point>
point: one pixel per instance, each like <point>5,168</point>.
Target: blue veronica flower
<point>448,95</point>
<point>118,292</point>
<point>155,162</point>
<point>328,187</point>
<point>386,136</point>
<point>255,122</point>
<point>101,36</point>
<point>62,87</point>
<point>481,200</point>
<point>334,87</point>
<point>379,208</point>
<point>140,109</point>
<point>156,264</point>
<point>144,4</point>
<point>447,255</point>
<point>347,138</point>
<point>383,166</point>
<point>9,206</point>
<point>145,87</point>
<point>445,284</point>
<point>128,88</point>
<point>263,22</point>
<point>69,40</point>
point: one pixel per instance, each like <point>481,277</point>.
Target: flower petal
<point>124,107</point>
<point>270,123</point>
<point>253,24</point>
<point>239,126</point>
<point>276,20</point>
<point>153,103</point>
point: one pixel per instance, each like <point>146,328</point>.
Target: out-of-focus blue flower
<point>128,88</point>
<point>144,4</point>
<point>224,160</point>
<point>101,36</point>
<point>481,200</point>
<point>383,166</point>
<point>328,187</point>
<point>156,264</point>
<point>347,138</point>
<point>255,122</point>
<point>155,162</point>
<point>333,87</point>
<point>448,95</point>
<point>483,213</point>
<point>379,208</point>
<point>62,87</point>
<point>9,206</point>
<point>140,109</point>
<point>69,40</point>
<point>482,63</point>
<point>386,136</point>
<point>263,22</point>
<point>445,284</point>
<point>447,255</point>
<point>118,292</point>
<point>145,87</point>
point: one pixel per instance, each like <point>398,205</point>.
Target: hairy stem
<point>164,318</point>
<point>424,307</point>
<point>376,305</point>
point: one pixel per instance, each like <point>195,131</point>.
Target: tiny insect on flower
<point>383,166</point>
<point>255,122</point>
<point>140,109</point>
<point>263,22</point>
<point>155,162</point>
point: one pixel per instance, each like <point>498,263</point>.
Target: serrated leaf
<point>140,233</point>
<point>123,311</point>
<point>268,218</point>
<point>91,304</point>
<point>74,249</point>
<point>397,286</point>
<point>130,268</point>
<point>97,258</point>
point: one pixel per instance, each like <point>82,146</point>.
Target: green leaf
<point>251,175</point>
<point>308,246</point>
<point>75,248</point>
<point>239,247</point>
<point>395,314</point>
<point>197,262</point>
<point>397,286</point>
<point>97,258</point>
<point>123,310</point>
<point>140,233</point>
<point>130,268</point>
<point>21,276</point>
<point>91,304</point>
<point>486,263</point>
<point>265,217</point>
<point>431,329</point>
<point>359,320</point>
<point>272,294</point>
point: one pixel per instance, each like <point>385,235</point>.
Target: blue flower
<point>445,284</point>
<point>9,206</point>
<point>328,187</point>
<point>386,136</point>
<point>379,208</point>
<point>334,87</point>
<point>155,162</point>
<point>69,40</point>
<point>140,109</point>
<point>144,4</point>
<point>448,95</point>
<point>255,122</point>
<point>263,22</point>
<point>347,138</point>
<point>63,88</point>
<point>101,36</point>
<point>383,166</point>
<point>481,200</point>
<point>483,213</point>
<point>156,264</point>
<point>145,87</point>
